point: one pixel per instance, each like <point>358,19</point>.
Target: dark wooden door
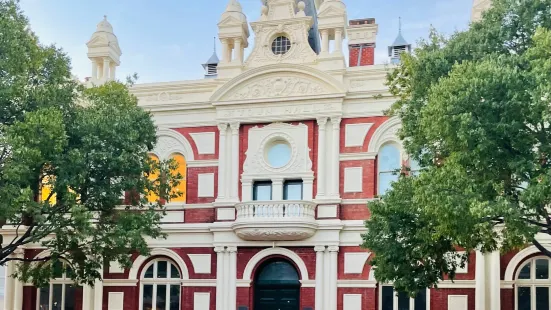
<point>277,298</point>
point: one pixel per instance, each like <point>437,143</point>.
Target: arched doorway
<point>277,286</point>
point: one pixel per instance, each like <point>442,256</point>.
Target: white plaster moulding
<point>457,284</point>
<point>202,163</point>
<point>357,156</point>
<point>120,282</point>
<point>199,282</point>
<point>357,283</point>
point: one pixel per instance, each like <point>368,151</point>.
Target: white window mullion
<point>51,299</point>
<point>167,298</point>
<point>412,303</point>
<point>533,295</point>
<point>62,296</point>
<point>395,303</point>
<point>154,299</point>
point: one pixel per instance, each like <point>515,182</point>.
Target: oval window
<point>278,154</point>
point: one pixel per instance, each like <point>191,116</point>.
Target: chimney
<point>362,35</point>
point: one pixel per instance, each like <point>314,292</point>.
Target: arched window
<point>532,285</point>
<point>61,294</point>
<point>388,162</point>
<point>182,170</point>
<point>392,300</point>
<point>160,286</point>
<point>153,197</point>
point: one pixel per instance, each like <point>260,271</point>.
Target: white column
<point>234,180</point>
<point>222,154</point>
<point>320,253</point>
<point>335,160</point>
<point>18,285</point>
<point>333,252</point>
<point>338,41</point>
<point>10,285</point>
<point>94,70</point>
<point>87,298</point>
<point>326,279</point>
<point>480,277</point>
<point>247,191</point>
<point>238,57</point>
<point>220,294</point>
<point>98,293</point>
<point>225,49</point>
<point>112,74</point>
<point>325,41</point>
<point>321,178</point>
<point>494,283</point>
<point>226,280</point>
<point>106,67</point>
<point>308,188</point>
<point>233,278</point>
<point>277,189</point>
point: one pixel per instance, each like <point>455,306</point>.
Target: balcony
<point>275,220</point>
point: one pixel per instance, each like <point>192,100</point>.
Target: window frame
<point>281,44</point>
<point>533,282</point>
<point>390,172</point>
<point>256,184</point>
<point>155,282</point>
<point>64,281</point>
<point>395,300</point>
<point>293,182</point>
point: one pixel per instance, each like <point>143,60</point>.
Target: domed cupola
<point>233,31</point>
<point>104,52</point>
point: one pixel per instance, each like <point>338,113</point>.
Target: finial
<point>399,24</point>
<point>215,44</point>
<point>104,17</point>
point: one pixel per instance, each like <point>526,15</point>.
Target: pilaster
<point>18,285</point>
<point>232,278</point>
<point>220,277</point>
<point>234,181</point>
<point>333,275</point>
<point>322,167</point>
<point>320,253</point>
<point>480,277</point>
<point>222,160</point>
<point>106,66</point>
<point>335,160</point>
<point>98,293</point>
<point>494,281</point>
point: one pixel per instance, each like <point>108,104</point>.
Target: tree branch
<point>541,248</point>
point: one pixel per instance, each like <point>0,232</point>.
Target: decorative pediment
<point>230,21</point>
<point>278,82</point>
<point>330,11</point>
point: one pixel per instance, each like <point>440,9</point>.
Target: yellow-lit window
<point>182,170</point>
<point>46,189</point>
<point>153,197</point>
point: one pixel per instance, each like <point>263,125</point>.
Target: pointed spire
<point>399,46</point>
<point>399,24</point>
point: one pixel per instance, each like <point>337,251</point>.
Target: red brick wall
<point>367,58</point>
<point>341,275</point>
<point>193,184</point>
<point>186,133</point>
<point>439,297</point>
<point>131,296</point>
<point>507,299</point>
<point>368,178</point>
<point>354,212</point>
<point>189,294</point>
<point>206,215</point>
<point>369,299</point>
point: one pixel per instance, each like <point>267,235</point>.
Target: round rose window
<point>278,153</point>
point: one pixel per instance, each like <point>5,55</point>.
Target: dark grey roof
<point>213,60</point>
<point>400,41</point>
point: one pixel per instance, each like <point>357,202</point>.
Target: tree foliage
<point>67,154</point>
<point>475,109</point>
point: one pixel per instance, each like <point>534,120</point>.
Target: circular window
<point>278,153</point>
<point>281,45</point>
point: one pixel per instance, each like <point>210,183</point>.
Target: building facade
<point>281,153</point>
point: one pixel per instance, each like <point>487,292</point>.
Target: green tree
<point>67,154</point>
<point>476,114</point>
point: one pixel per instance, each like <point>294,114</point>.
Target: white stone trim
<point>248,273</point>
<point>355,134</point>
<point>357,283</point>
<point>457,284</point>
<point>516,260</point>
<point>205,142</point>
<point>205,185</point>
<point>352,301</point>
<point>353,179</point>
<point>199,282</point>
<point>458,302</point>
<point>170,142</point>
<point>354,262</point>
<point>201,301</point>
<point>384,134</point>
<point>357,156</point>
<point>201,263</point>
<point>115,301</point>
<point>120,282</point>
<point>203,163</point>
<point>133,275</point>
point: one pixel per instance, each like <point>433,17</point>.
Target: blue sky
<point>167,40</point>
